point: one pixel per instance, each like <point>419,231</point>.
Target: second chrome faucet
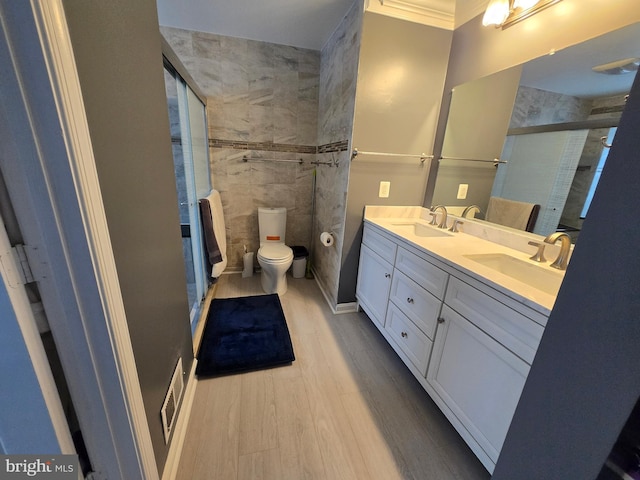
<point>565,246</point>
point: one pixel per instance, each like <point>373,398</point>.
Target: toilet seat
<point>275,253</point>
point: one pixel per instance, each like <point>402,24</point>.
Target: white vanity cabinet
<point>377,255</point>
<point>480,362</point>
<point>469,345</point>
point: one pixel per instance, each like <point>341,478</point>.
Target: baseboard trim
<point>322,289</point>
<point>180,432</point>
<point>340,308</point>
<point>350,307</point>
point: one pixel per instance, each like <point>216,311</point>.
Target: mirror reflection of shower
<point>606,143</point>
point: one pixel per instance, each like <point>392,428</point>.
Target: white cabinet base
<point>478,380</point>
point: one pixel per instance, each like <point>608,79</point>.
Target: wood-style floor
<point>347,408</point>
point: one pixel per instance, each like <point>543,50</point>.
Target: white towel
<point>509,212</point>
<point>217,220</point>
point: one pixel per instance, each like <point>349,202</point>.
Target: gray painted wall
<point>585,378</point>
<point>118,54</point>
<point>400,81</point>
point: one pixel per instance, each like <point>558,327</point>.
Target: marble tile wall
<point>338,73</point>
<point>539,107</point>
<point>262,103</point>
<point>606,107</point>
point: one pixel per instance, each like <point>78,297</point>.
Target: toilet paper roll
<point>327,239</point>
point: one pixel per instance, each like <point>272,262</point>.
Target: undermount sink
<point>537,277</point>
<point>420,230</point>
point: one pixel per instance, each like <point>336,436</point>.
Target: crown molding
<point>434,13</point>
<point>468,9</point>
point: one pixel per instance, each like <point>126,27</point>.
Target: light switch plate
<point>462,191</point>
<point>383,192</point>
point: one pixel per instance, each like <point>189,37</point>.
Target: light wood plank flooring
<point>347,408</point>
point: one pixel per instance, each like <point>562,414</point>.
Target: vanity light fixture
<point>504,13</point>
<point>496,13</point>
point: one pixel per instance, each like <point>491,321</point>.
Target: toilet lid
<point>275,251</point>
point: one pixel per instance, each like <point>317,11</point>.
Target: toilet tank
<point>272,224</point>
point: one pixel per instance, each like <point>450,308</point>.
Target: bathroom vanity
<point>465,312</point>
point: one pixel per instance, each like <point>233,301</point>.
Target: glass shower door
<point>191,164</point>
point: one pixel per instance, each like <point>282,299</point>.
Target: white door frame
<point>47,160</point>
<point>25,343</point>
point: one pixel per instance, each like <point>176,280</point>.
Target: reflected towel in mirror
<point>510,213</point>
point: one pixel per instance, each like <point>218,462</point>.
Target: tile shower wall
<point>338,74</point>
<point>540,107</point>
<point>607,107</point>
<point>262,103</point>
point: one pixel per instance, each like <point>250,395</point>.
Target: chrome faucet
<point>470,208</point>
<point>443,220</point>
<point>565,245</point>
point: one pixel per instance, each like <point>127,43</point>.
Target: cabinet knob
<point>387,275</point>
<point>404,334</point>
<point>440,320</point>
<point>409,300</point>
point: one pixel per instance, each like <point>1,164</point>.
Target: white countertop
<point>452,249</point>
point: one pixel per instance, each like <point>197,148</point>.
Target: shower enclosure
<point>187,117</point>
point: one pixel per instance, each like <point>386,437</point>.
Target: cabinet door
<point>477,379</point>
<point>374,281</point>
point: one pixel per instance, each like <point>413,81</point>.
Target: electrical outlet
<point>462,191</point>
<point>383,192</point>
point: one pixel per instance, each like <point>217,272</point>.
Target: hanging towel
<point>510,213</point>
<point>215,237</point>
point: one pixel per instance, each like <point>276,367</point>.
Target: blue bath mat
<point>243,334</point>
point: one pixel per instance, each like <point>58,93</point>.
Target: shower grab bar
<point>495,161</point>
<point>422,156</point>
<point>248,159</point>
<point>331,164</point>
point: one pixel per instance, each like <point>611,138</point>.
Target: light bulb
<point>496,13</point>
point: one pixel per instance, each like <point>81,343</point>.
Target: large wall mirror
<point>537,133</point>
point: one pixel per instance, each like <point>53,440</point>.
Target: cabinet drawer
<point>380,244</point>
<point>515,331</point>
<point>415,302</point>
<point>425,274</point>
<point>409,338</point>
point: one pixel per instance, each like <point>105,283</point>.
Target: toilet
<point>274,256</point>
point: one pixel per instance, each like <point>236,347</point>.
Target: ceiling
<point>303,23</point>
<point>569,71</point>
